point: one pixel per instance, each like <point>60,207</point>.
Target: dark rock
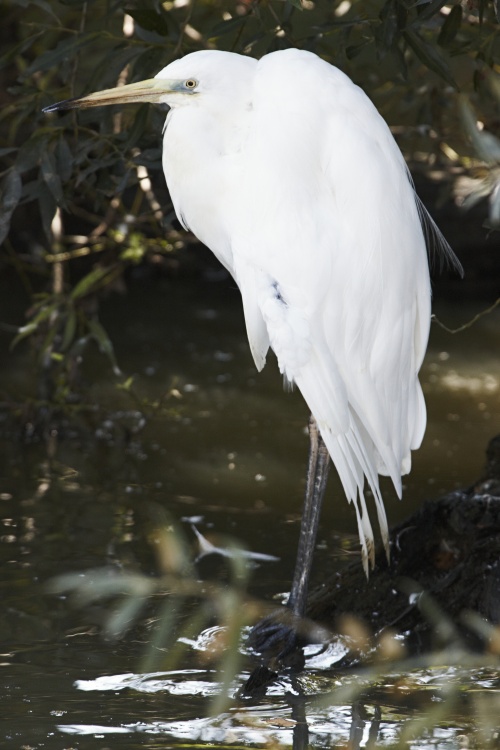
<point>445,562</point>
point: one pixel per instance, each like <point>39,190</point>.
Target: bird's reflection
<point>364,728</point>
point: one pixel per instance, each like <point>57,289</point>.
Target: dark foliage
<point>83,195</point>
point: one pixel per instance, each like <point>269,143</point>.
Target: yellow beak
<point>153,90</point>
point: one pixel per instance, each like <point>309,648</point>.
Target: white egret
<point>286,171</point>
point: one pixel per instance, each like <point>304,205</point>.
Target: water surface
<point>203,438</point>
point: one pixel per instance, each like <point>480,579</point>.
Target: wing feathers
<point>332,233</point>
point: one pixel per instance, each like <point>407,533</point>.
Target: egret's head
<point>208,72</point>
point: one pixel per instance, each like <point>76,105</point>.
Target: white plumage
<point>286,171</point>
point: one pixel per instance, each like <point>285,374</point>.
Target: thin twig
<point>470,322</point>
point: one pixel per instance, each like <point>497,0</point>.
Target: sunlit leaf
<point>24,332</point>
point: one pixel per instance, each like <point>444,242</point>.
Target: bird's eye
<point>191,83</point>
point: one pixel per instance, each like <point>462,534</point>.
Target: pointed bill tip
<point>152,90</point>
<point>65,104</point>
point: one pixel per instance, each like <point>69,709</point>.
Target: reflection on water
<point>329,712</point>
<point>203,436</point>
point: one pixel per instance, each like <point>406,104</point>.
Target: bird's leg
<point>283,632</point>
<point>317,475</point>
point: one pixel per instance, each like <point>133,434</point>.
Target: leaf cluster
<point>63,49</point>
<point>84,174</point>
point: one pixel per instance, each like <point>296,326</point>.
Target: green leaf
<point>10,192</point>
<point>89,283</point>
<point>50,177</point>
<point>354,50</point>
<point>429,55</point>
<point>67,48</point>
<point>431,8</point>
<point>149,20</point>
<point>106,72</point>
<point>127,384</point>
<point>495,206</point>
<point>486,145</point>
<point>69,331</point>
<point>103,341</point>
<point>33,325</point>
<point>95,165</point>
<point>7,150</point>
<point>124,615</point>
<point>45,312</point>
<point>483,4</point>
<point>47,206</point>
<point>135,132</point>
<point>225,27</point>
<point>23,332</point>
<point>64,159</point>
<point>148,62</point>
<point>451,26</point>
<point>386,34</point>
<point>18,49</point>
<point>31,151</point>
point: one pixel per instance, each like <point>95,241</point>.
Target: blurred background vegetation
<point>85,212</point>
<point>83,197</point>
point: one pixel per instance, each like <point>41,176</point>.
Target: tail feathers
<point>353,464</point>
<point>354,454</point>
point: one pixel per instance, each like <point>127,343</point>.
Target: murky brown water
<point>205,438</point>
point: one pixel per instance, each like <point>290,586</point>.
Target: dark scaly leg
<point>317,475</point>
<point>283,632</point>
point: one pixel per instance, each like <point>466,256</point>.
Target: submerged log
<point>449,549</point>
<point>440,589</point>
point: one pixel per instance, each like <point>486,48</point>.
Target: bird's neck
<point>200,151</point>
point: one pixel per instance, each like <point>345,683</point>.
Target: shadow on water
<point>200,435</point>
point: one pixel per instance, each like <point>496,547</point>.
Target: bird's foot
<point>281,636</point>
<point>280,639</point>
